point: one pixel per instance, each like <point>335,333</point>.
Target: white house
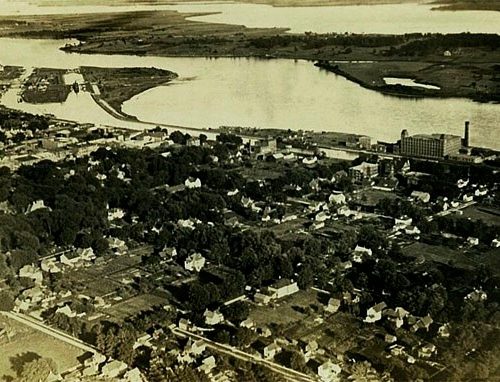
<point>333,305</point>
<point>114,368</point>
<point>374,313</point>
<point>412,230</point>
<point>328,371</point>
<point>192,182</point>
<point>213,318</point>
<point>337,199</point>
<point>402,222</point>
<point>31,272</point>
<point>195,262</point>
<point>271,350</point>
<point>473,241</point>
<point>421,196</point>
<point>37,205</point>
<point>208,364</point>
<point>282,288</point>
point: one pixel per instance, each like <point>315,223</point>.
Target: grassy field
<point>439,254</point>
<point>134,305</point>
<point>460,77</point>
<point>25,341</point>
<point>482,213</point>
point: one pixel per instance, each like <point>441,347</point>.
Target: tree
<point>6,301</point>
<point>305,278</point>
<point>38,370</point>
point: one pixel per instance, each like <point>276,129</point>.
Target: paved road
<point>41,327</point>
<point>288,374</point>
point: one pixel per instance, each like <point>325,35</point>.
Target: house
<point>322,216</point>
<point>197,347</point>
<point>49,265</point>
<point>66,310</point>
<point>192,183</point>
<point>195,262</point>
<point>472,241</point>
<point>31,272</point>
<point>310,161</point>
<point>271,350</point>
<point>363,250</point>
<point>402,222</point>
<point>317,225</point>
<point>420,196</point>
<point>261,298</point>
<point>468,198</point>
<point>345,265</point>
<point>390,339</point>
<point>461,183</point>
<point>207,365</point>
<point>115,214</point>
<point>328,371</point>
<point>184,324</point>
<point>396,316</point>
<point>282,288</point>
<point>495,243</point>
<point>248,323</point>
<point>427,350</point>
<point>337,198</point>
<point>186,223</point>
<point>168,253</point>
<point>422,323</point>
<point>412,230</point>
<point>444,330</point>
<point>144,340</point>
<point>374,313</point>
<point>133,375</point>
<point>71,259</point>
<point>113,369</point>
<point>36,205</point>
<point>213,318</point>
<point>333,305</point>
<point>362,171</point>
<point>397,350</point>
<point>477,295</point>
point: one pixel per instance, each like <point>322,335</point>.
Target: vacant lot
<point>440,254</point>
<point>25,343</point>
<point>489,216</point>
<point>134,305</point>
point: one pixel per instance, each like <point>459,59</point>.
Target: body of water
<point>282,94</point>
<point>386,18</point>
<point>415,17</point>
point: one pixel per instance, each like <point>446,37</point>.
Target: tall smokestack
<point>466,134</point>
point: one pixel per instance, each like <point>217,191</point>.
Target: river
<point>282,94</point>
<point>386,18</point>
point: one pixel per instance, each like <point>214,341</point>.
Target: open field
<point>439,254</point>
<point>455,79</point>
<point>477,212</point>
<point>134,305</point>
<point>26,343</point>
